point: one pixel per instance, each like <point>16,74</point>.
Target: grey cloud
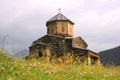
<point>24,21</point>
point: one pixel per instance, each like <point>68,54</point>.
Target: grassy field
<point>21,69</point>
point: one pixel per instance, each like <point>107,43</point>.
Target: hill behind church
<point>110,56</point>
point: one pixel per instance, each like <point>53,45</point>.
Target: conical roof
<point>59,17</point>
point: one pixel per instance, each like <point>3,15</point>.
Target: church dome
<point>58,17</point>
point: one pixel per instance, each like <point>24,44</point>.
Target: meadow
<point>39,69</point>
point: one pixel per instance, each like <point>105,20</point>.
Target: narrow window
<point>56,30</point>
<point>62,29</point>
<point>52,31</point>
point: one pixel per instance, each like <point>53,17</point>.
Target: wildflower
<point>115,73</point>
<point>10,79</point>
<point>38,62</point>
<point>47,72</point>
<point>11,68</point>
<point>30,65</point>
<point>35,65</point>
<point>76,58</point>
<point>36,68</point>
<point>85,72</point>
<point>21,64</point>
<point>60,60</point>
<point>47,64</point>
<point>24,74</point>
<point>16,73</point>
<point>91,72</point>
<point>111,74</point>
<point>80,73</point>
<point>105,75</point>
<point>2,69</point>
<point>29,68</point>
<point>50,72</point>
<point>56,65</point>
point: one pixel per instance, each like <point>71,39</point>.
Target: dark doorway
<point>39,54</point>
<point>92,60</point>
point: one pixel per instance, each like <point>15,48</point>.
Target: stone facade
<point>60,41</point>
<point>60,25</point>
<point>65,30</point>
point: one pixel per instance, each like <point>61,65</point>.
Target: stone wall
<point>64,28</point>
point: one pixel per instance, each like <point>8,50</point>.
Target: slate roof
<point>48,35</point>
<point>58,17</point>
<point>47,44</point>
<point>43,44</point>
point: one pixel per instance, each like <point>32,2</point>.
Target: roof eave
<point>58,20</point>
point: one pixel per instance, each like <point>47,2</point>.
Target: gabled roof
<point>44,44</point>
<point>47,44</point>
<point>48,35</point>
<point>78,42</point>
<point>59,17</point>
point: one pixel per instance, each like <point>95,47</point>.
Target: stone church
<point>60,41</point>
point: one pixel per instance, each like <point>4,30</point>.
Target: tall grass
<point>40,69</point>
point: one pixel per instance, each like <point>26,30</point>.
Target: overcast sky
<point>23,21</point>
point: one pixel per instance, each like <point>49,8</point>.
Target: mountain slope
<point>111,56</point>
<point>21,54</point>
